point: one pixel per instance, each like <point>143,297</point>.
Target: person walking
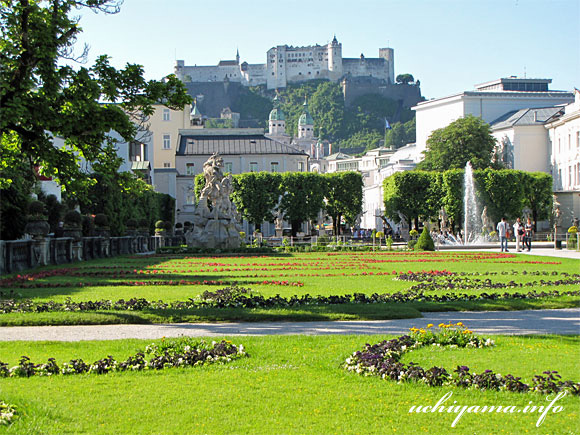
<point>519,233</point>
<point>502,232</point>
<point>528,232</point>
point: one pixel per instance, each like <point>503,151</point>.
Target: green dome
<point>277,115</point>
<point>305,118</point>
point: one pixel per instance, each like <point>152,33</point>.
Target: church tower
<point>276,120</point>
<point>305,123</point>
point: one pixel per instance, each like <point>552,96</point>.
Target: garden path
<point>562,321</point>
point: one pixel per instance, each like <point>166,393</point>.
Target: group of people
<point>522,232</point>
<point>362,233</point>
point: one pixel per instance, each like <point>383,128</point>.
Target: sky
<point>449,45</point>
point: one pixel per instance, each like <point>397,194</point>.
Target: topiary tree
<point>37,210</point>
<point>72,219</point>
<point>425,242</point>
<point>101,220</point>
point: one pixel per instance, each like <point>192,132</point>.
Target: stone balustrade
<point>19,255</point>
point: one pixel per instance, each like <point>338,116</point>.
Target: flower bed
<point>181,352</point>
<point>236,297</point>
<point>383,359</point>
<point>7,413</point>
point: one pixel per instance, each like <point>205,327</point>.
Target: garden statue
<point>443,218</point>
<point>486,221</point>
<point>556,212</point>
<point>215,217</point>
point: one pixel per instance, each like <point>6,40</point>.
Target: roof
<point>137,166</point>
<point>227,63</point>
<point>228,144</point>
<point>338,156</point>
<point>529,116</point>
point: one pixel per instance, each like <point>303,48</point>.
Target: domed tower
<point>305,123</point>
<point>334,59</point>
<point>276,120</point>
<point>195,117</point>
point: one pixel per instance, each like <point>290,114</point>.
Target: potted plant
<point>143,227</point>
<point>572,242</point>
<point>37,221</point>
<point>159,228</point>
<point>72,224</point>
<point>131,227</point>
<point>102,225</point>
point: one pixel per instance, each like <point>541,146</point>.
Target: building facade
<point>564,137</point>
<point>287,64</point>
<point>489,101</point>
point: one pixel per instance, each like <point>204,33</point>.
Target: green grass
<point>321,273</point>
<point>289,384</point>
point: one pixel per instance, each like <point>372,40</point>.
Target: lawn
<point>288,384</point>
<point>173,278</point>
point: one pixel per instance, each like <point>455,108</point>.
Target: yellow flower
<point>430,325</point>
<point>459,324</point>
<point>442,325</point>
<point>422,331</point>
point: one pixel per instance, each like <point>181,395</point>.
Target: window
<point>301,166</point>
<point>167,165</point>
<point>274,167</point>
<point>569,176</point>
<point>166,141</point>
<point>190,168</point>
<point>228,167</point>
<point>253,166</point>
<point>166,115</point>
<point>578,139</point>
<point>569,142</point>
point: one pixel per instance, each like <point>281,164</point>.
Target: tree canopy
<point>41,97</point>
<point>405,79</point>
<point>343,195</point>
<point>464,140</point>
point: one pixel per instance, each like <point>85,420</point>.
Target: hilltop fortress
<point>286,64</point>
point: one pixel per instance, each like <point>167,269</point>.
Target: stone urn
<point>103,232</point>
<point>38,228</point>
<point>74,232</point>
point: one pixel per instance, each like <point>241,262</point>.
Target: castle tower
<point>389,55</point>
<point>237,56</point>
<point>276,120</point>
<point>334,59</point>
<point>305,123</point>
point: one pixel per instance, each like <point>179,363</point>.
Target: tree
<point>302,197</point>
<point>41,98</point>
<point>538,194</point>
<point>464,140</point>
<point>343,195</point>
<point>327,109</point>
<point>400,134</point>
<point>364,139</point>
<point>502,191</point>
<point>256,195</point>
<point>405,79</point>
<point>414,194</point>
<point>452,198</point>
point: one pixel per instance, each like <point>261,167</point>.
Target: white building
<point>287,64</point>
<point>564,135</point>
<point>522,138</point>
<point>489,101</point>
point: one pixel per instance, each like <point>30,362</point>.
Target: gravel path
<point>565,321</point>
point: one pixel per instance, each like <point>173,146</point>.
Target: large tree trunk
<point>295,227</point>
